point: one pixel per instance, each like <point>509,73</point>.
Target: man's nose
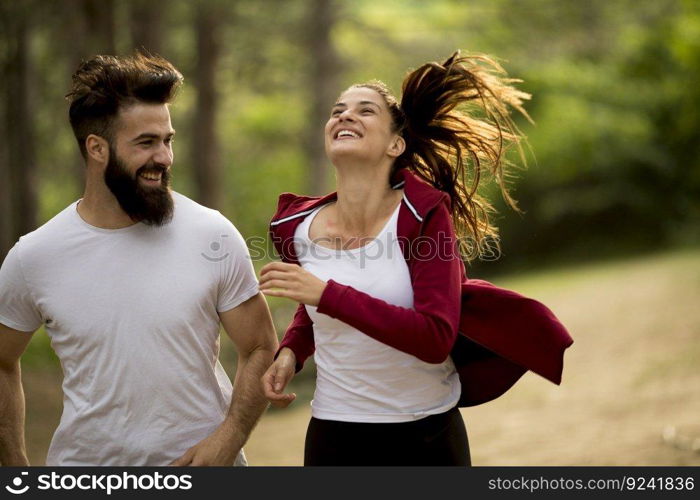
<point>164,155</point>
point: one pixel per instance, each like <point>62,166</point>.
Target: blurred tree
<point>205,153</point>
<point>615,135</point>
<point>668,60</point>
<point>19,186</point>
<point>145,18</point>
<point>614,85</point>
<point>92,29</point>
<point>89,30</point>
<point>321,86</point>
<point>6,233</point>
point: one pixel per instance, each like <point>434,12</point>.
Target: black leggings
<point>435,440</point>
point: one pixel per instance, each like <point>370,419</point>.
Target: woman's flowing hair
<point>455,119</point>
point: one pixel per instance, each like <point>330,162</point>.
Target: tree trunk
<point>206,161</point>
<point>99,17</point>
<point>323,88</point>
<point>6,234</point>
<point>92,32</point>
<point>19,173</point>
<point>146,25</point>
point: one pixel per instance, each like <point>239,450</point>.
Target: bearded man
<point>132,283</point>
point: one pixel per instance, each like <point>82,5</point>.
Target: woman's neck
<point>364,197</point>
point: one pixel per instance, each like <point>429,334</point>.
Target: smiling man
<point>132,295</point>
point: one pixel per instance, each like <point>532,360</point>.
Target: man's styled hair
<point>103,84</point>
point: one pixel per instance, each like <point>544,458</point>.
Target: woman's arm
<point>427,331</point>
<point>299,337</point>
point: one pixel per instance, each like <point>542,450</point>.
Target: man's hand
<point>278,279</point>
<point>277,377</point>
<point>218,449</point>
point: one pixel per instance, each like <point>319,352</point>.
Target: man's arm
<point>12,447</point>
<point>250,327</point>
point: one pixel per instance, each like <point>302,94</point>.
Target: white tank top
<point>360,379</point>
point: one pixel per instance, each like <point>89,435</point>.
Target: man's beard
<point>150,205</point>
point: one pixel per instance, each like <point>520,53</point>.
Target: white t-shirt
<point>132,316</point>
<point>360,379</point>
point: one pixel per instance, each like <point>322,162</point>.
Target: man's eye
<point>368,110</point>
<point>335,112</point>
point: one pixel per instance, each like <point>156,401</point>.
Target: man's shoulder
<point>199,223</point>
<point>189,212</point>
<point>47,241</point>
<point>52,230</point>
<point>188,205</point>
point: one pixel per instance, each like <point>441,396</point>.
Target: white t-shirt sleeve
<point>18,309</point>
<point>237,282</point>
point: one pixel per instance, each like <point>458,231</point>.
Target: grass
<point>632,372</point>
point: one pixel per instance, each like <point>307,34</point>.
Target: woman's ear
<point>97,149</point>
<point>397,147</point>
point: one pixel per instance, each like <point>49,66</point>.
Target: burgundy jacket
<point>493,335</point>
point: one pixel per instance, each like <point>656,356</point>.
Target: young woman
<point>376,266</point>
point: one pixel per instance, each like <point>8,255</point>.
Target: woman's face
<point>360,127</point>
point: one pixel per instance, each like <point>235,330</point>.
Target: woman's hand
<point>278,279</point>
<point>278,376</point>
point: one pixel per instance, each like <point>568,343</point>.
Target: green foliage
<point>616,160</point>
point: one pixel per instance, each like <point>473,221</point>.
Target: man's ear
<point>397,147</point>
<point>97,149</point>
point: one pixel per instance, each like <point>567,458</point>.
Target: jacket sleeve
<point>428,330</point>
<point>299,337</point>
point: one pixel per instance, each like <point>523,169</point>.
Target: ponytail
<point>455,119</point>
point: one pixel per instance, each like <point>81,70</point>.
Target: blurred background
<point>609,236</point>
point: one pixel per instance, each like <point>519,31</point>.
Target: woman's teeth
<point>347,133</point>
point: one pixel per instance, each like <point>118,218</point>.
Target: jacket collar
<point>419,199</point>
